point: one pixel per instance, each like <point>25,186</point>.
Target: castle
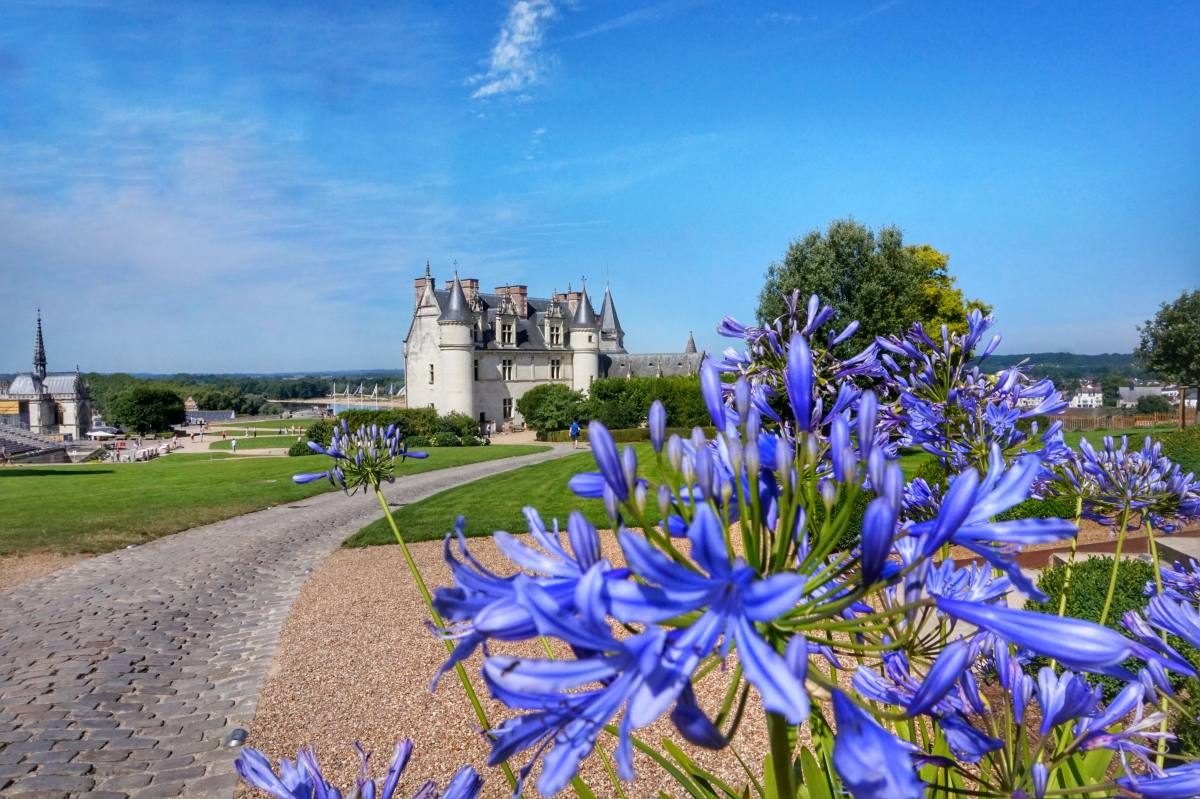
<point>477,353</point>
<point>49,403</point>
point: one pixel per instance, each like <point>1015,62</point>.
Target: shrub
<point>1085,599</point>
<point>458,424</point>
<point>321,432</point>
<point>299,448</point>
<point>473,441</point>
<point>551,407</point>
<point>417,441</point>
<point>446,439</point>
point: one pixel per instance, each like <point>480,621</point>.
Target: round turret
<point>455,386</point>
<point>585,345</point>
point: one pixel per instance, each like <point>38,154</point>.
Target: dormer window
<point>506,332</point>
<point>555,335</point>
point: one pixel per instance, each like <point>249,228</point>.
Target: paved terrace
<point>121,676</point>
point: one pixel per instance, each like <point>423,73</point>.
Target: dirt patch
<point>355,662</point>
<point>17,569</point>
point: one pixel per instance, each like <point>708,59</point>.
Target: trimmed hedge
<point>419,426</point>
<point>621,435</point>
<point>1183,447</point>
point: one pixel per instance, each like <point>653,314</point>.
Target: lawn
<point>93,508</point>
<point>1096,437</point>
<point>495,503</point>
<point>261,442</point>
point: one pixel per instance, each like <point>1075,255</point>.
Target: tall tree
<point>869,276</point>
<point>1110,390</point>
<point>147,409</point>
<point>942,301</point>
<point>1170,345</point>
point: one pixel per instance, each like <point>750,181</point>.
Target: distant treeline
<point>1062,367</point>
<point>245,394</point>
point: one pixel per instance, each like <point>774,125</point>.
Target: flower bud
<point>639,498</point>
<point>741,397</point>
<point>828,494</point>
<point>629,465</point>
<point>657,421</point>
<point>664,500</point>
<point>753,459</point>
<point>675,452</point>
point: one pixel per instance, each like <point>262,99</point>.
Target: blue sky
<point>253,186</point>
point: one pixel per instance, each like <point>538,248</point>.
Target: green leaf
<point>816,779</point>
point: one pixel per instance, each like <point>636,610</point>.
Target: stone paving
<point>123,675</point>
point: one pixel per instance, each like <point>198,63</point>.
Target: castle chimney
<point>520,296</point>
<point>470,288</point>
<point>420,284</point>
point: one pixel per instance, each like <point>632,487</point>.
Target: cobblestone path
<point>121,676</point>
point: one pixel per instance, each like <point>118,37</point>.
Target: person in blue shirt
<point>575,434</point>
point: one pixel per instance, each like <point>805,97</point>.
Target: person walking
<point>233,446</point>
<point>574,434</point>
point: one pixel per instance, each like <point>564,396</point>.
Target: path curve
<point>122,675</point>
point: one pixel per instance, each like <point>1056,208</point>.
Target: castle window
<point>506,333</point>
<point>507,407</point>
<point>476,368</point>
<point>506,370</point>
<point>555,335</point>
<point>589,338</point>
<point>555,369</point>
<point>431,374</point>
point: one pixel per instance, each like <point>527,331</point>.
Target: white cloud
<point>516,62</point>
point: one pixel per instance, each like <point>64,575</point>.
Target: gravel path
<point>121,676</point>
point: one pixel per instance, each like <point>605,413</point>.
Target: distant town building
<point>46,403</point>
<point>1128,396</point>
<point>1089,395</point>
<point>477,353</point>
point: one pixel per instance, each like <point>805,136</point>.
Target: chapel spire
<point>39,350</point>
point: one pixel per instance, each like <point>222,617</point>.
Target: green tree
<point>872,277</point>
<point>550,407</point>
<point>147,409</point>
<point>1110,390</point>
<point>1153,403</point>
<point>941,300</point>
<point>1170,344</point>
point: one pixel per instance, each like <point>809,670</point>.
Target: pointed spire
<point>609,323</point>
<point>456,309</point>
<point>428,271</point>
<point>690,349</point>
<point>39,349</point>
<point>585,315</point>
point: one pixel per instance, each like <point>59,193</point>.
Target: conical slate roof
<point>608,315</point>
<point>691,345</point>
<point>585,315</point>
<point>457,309</point>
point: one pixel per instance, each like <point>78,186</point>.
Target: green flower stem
<point>781,755</point>
<point>1161,757</point>
<point>1112,579</point>
<point>480,713</point>
<point>1066,586</point>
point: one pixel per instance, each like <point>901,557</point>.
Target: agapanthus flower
<point>1179,582</point>
<point>944,403</point>
<point>1116,480</point>
<point>302,779</point>
<point>364,458</point>
<point>872,763</point>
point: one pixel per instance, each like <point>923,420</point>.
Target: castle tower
<point>585,344</point>
<point>612,337</point>
<point>690,347</point>
<point>39,350</point>
<point>455,387</point>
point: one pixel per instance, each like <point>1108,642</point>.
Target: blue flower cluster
<point>1138,485</point>
<point>735,545</point>
<point>302,778</point>
<point>363,458</point>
